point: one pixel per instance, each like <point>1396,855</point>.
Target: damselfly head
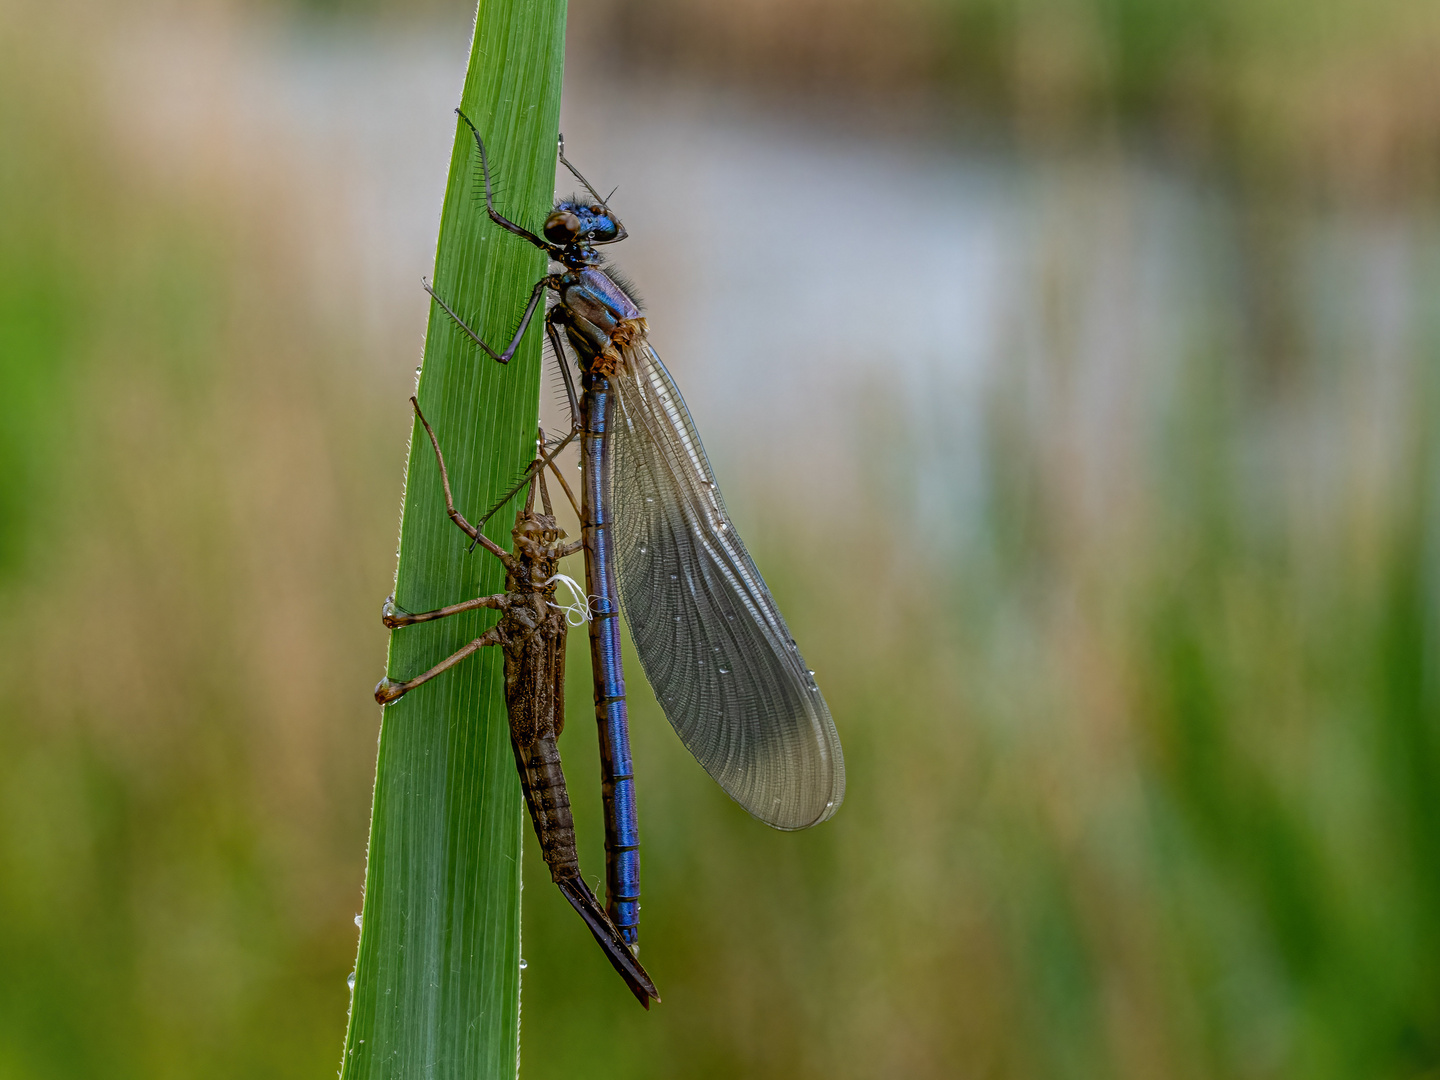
<point>536,528</point>
<point>574,220</point>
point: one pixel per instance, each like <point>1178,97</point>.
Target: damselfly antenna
<point>604,203</point>
<point>576,173</point>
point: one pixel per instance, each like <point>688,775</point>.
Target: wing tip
<point>798,822</point>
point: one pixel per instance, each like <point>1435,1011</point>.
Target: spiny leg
<point>547,282</point>
<point>545,459</point>
<point>540,479</point>
<point>535,466</point>
<point>565,487</point>
<point>552,331</point>
<point>530,494</point>
<point>503,222</point>
<point>387,691</point>
<point>455,515</point>
<point>553,317</point>
<point>578,545</point>
<point>395,618</point>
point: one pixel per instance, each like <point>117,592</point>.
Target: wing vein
<point>713,644</point>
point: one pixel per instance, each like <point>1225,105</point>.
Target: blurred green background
<point>1069,367</point>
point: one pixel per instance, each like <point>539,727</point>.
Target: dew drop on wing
<point>524,963</point>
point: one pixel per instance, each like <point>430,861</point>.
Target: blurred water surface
<point>1097,486</point>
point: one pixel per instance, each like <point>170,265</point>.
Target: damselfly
<point>711,640</point>
<point>531,631</point>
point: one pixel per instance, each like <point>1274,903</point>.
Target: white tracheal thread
<point>577,612</point>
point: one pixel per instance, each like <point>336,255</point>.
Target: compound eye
<point>561,227</point>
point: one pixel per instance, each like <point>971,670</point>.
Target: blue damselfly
<point>659,543</point>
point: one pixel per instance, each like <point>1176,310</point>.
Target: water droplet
<point>724,525</point>
<point>649,498</point>
<point>644,550</point>
<point>674,577</point>
<point>724,671</point>
<point>357,920</point>
<point>524,963</point>
<point>812,674</point>
<point>350,980</point>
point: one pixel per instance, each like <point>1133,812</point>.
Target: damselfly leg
<point>394,618</point>
<point>545,458</point>
<point>495,216</point>
<point>532,633</point>
<point>500,357</point>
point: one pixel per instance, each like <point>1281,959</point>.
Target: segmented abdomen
<point>544,786</point>
<point>535,693</point>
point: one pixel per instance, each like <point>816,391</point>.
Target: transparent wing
<point>713,644</point>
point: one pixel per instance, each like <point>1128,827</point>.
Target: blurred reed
<point>1340,97</point>
<point>1141,766</point>
<point>193,542</point>
<point>1335,96</point>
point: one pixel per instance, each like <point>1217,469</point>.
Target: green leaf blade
<point>437,979</point>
